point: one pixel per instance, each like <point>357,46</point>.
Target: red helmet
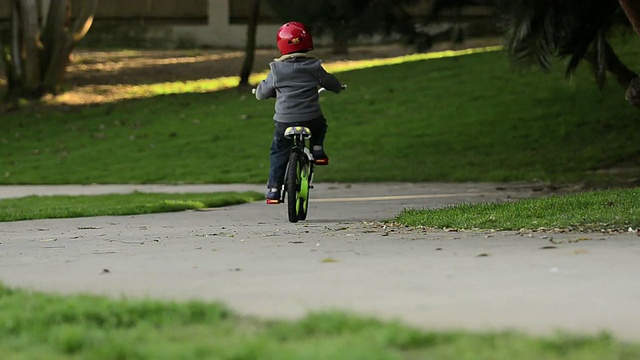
<point>294,37</point>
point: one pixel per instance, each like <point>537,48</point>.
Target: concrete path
<point>250,258</point>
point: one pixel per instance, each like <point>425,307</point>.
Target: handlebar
<point>321,90</point>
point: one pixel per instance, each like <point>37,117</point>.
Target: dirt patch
<point>147,67</point>
<point>92,75</point>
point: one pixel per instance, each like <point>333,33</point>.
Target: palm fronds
<point>536,29</point>
<point>540,30</point>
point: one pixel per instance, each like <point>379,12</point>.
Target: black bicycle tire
<point>293,186</point>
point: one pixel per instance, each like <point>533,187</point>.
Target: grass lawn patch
<point>49,207</point>
<point>613,210</point>
<point>461,118</point>
<point>38,326</point>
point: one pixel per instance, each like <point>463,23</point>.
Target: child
<point>294,80</point>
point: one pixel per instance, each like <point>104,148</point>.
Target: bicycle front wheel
<point>303,199</point>
<point>293,186</point>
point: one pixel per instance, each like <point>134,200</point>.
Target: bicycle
<point>298,176</point>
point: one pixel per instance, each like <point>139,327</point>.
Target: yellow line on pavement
<point>401,197</point>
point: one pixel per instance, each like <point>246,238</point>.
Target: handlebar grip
<point>322,89</point>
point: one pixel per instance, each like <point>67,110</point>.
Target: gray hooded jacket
<point>294,80</point>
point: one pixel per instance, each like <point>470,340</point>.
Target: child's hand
<point>253,91</point>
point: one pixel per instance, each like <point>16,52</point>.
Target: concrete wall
<point>170,23</point>
<point>220,32</point>
<point>170,10</point>
<point>150,9</point>
<point>224,30</point>
<point>185,23</point>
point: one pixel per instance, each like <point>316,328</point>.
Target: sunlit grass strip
<point>593,211</point>
<point>181,87</point>
<point>111,93</point>
<point>51,207</point>
<point>342,66</point>
<point>121,92</point>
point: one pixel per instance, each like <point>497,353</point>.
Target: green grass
<point>591,211</point>
<point>466,118</point>
<point>39,326</point>
<point>49,207</point>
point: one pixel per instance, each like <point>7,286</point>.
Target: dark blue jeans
<point>281,147</point>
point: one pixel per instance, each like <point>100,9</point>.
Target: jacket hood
<point>293,56</point>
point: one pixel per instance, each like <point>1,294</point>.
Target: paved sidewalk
<point>14,191</point>
<point>252,259</point>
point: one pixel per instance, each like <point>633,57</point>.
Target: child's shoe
<point>273,196</point>
<point>319,156</point>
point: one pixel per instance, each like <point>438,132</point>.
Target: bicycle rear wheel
<point>293,186</point>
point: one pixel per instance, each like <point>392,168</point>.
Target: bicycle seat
<point>297,130</point>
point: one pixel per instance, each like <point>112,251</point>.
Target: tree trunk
<point>340,44</point>
<point>31,47</point>
<point>56,44</point>
<point>457,36</point>
<point>622,73</point>
<point>15,41</point>
<point>6,63</point>
<point>250,50</point>
<point>60,37</point>
<point>13,61</point>
<point>632,10</point>
<point>602,59</point>
<point>39,54</point>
